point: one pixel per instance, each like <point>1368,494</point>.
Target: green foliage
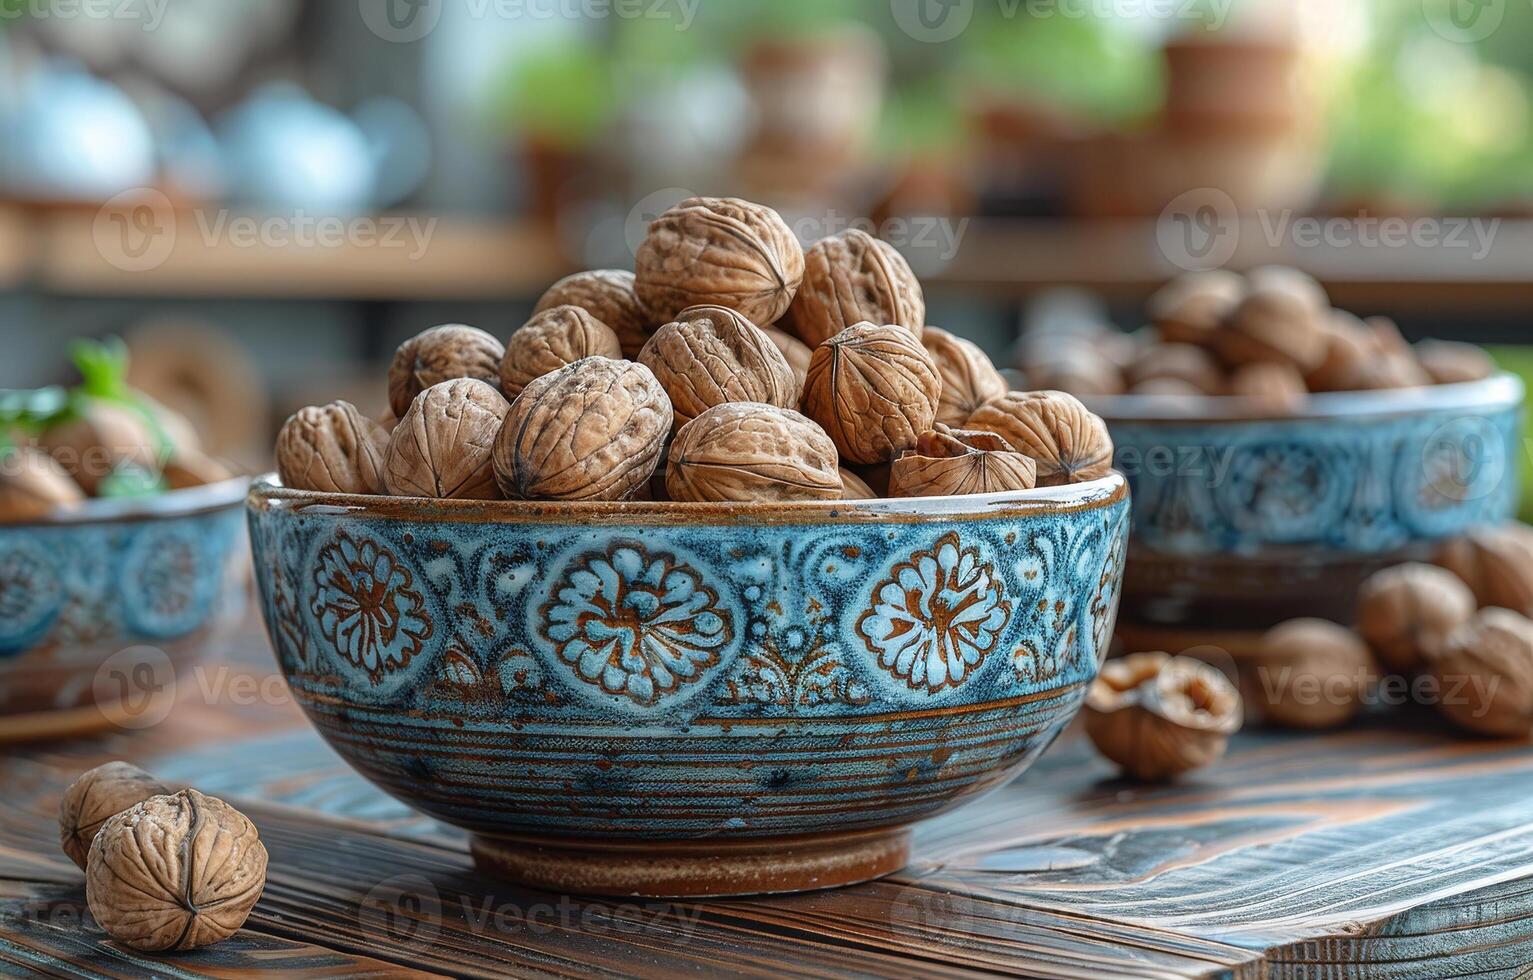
<point>103,367</point>
<point>1519,361</point>
<point>563,95</point>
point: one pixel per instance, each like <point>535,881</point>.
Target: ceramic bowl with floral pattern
<point>1243,520</point>
<point>690,699</point>
<point>105,609</point>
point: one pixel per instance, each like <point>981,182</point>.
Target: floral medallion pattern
<point>166,587</point>
<point>366,605</point>
<point>30,596</point>
<point>936,616</point>
<point>635,624</point>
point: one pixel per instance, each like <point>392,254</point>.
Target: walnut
<point>332,449</point>
<point>1309,673</point>
<point>1271,386</point>
<point>443,446</point>
<point>1484,674</point>
<point>1170,388</point>
<point>442,354</point>
<point>1448,362</point>
<point>955,462</point>
<point>1157,716</point>
<point>1408,611</point>
<point>1079,368</point>
<point>1067,441</point>
<point>969,379</point>
<point>795,351</point>
<point>1182,362</point>
<point>608,295</point>
<point>33,486</point>
<point>1348,350</point>
<point>175,872</point>
<point>740,451</point>
<point>719,252</point>
<point>1190,308</point>
<point>557,336</point>
<point>1282,318</point>
<point>1394,364</point>
<point>1496,563</point>
<point>194,469</point>
<point>594,430</point>
<point>711,355</point>
<point>854,278</point>
<point>855,487</point>
<point>874,389</point>
<point>104,437</point>
<point>98,796</point>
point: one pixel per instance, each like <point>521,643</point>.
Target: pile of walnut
<point>163,870</point>
<point>1270,337</point>
<point>733,365</point>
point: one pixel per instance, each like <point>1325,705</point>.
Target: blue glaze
<point>592,670</point>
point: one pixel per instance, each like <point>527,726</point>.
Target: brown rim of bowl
<point>267,494</point>
<point>1502,390</point>
<point>189,502</point>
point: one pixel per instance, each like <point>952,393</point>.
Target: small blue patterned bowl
<point>105,608</point>
<point>1242,520</point>
<point>689,699</point>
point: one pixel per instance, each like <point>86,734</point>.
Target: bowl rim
<point>1500,390</point>
<point>268,494</point>
<point>186,502</point>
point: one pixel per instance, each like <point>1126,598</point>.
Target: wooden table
<point>1388,850</point>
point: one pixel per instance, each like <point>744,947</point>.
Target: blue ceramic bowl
<point>659,698</point>
<point>1243,520</point>
<point>105,608</point>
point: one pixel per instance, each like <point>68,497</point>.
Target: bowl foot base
<point>694,868</point>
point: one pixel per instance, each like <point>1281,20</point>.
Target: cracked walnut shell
<point>854,278</point>
<point>608,295</point>
<point>969,379</point>
<point>557,336</point>
<point>953,462</point>
<point>719,252</point>
<point>442,354</point>
<point>1069,443</point>
<point>1309,673</point>
<point>1407,611</point>
<point>175,872</point>
<point>98,796</point>
<point>443,446</point>
<point>332,449</point>
<point>1157,716</point>
<point>1484,674</point>
<point>594,430</point>
<point>744,452</point>
<point>874,389</point>
<point>711,355</point>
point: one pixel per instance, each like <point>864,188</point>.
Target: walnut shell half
<point>442,354</point>
<point>711,355</point>
<point>743,452</point>
<point>854,278</point>
<point>332,449</point>
<point>719,252</point>
<point>557,336</point>
<point>953,462</point>
<point>442,448</point>
<point>1157,716</point>
<point>98,796</point>
<point>969,379</point>
<point>874,389</point>
<point>608,295</point>
<point>594,430</point>
<point>1069,443</point>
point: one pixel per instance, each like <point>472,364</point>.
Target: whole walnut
<point>1271,386</point>
<point>594,430</point>
<point>175,872</point>
<point>194,469</point>
<point>98,796</point>
<point>855,487</point>
<point>443,446</point>
<point>969,379</point>
<point>1392,363</point>
<point>740,451</point>
<point>854,278</point>
<point>711,355</point>
<point>104,436</point>
<point>442,354</point>
<point>1448,362</point>
<point>1349,347</point>
<point>33,486</point>
<point>1157,716</point>
<point>719,252</point>
<point>557,336</point>
<point>1190,308</point>
<point>1067,441</point>
<point>332,449</point>
<point>1185,391</point>
<point>1309,673</point>
<point>1183,362</point>
<point>608,295</point>
<point>1496,562</point>
<point>795,351</point>
<point>954,462</point>
<point>874,389</point>
<point>1281,318</point>
<point>1080,368</point>
<point>1407,611</point>
<point>1484,674</point>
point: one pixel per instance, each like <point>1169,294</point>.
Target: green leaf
<point>128,480</point>
<point>103,367</point>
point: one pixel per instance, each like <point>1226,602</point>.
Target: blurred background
<point>265,196</point>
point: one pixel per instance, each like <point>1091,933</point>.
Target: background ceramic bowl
<point>676,699</point>
<point>104,609</point>
<point>1243,521</point>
